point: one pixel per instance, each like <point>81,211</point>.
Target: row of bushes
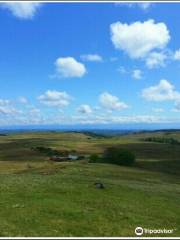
<point>50,152</point>
<point>162,140</point>
<point>114,155</point>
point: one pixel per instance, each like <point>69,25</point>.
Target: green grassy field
<point>44,198</point>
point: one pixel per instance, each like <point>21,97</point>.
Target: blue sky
<point>89,63</point>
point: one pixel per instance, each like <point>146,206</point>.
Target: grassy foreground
<point>60,200</point>
<point>40,198</point>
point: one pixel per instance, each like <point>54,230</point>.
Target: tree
<point>94,158</point>
<point>116,155</point>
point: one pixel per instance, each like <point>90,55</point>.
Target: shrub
<point>94,158</point>
<point>73,151</point>
<point>119,156</point>
<point>162,140</point>
<point>48,151</point>
<point>81,157</point>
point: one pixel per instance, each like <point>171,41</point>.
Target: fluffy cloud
<point>122,70</point>
<point>138,39</point>
<point>177,55</point>
<point>109,119</point>
<point>156,59</point>
<point>164,91</point>
<point>8,110</point>
<point>55,98</point>
<point>177,106</point>
<point>142,5</point>
<point>91,58</point>
<point>22,10</point>
<point>111,102</point>
<point>4,102</point>
<point>6,107</point>
<point>34,111</point>
<point>85,119</point>
<point>158,110</point>
<point>86,109</point>
<point>137,74</point>
<point>23,100</point>
<point>69,67</point>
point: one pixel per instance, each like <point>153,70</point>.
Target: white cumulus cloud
<point>6,107</point>
<point>34,110</point>
<point>86,109</point>
<point>158,110</point>
<point>144,5</point>
<point>23,10</point>
<point>54,98</point>
<point>137,74</point>
<point>138,39</point>
<point>156,59</point>
<point>91,58</point>
<point>69,67</point>
<point>163,91</point>
<point>177,106</point>
<point>141,5</point>
<point>23,100</point>
<point>177,54</point>
<point>111,102</point>
<point>122,70</point>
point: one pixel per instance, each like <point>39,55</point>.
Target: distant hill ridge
<point>91,132</point>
